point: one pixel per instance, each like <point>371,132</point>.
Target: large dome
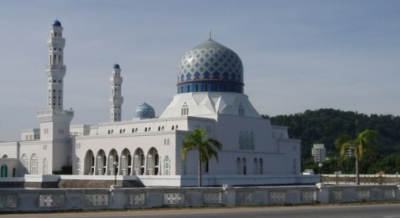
<point>212,67</point>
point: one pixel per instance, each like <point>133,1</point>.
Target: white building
<point>210,95</point>
<point>319,153</point>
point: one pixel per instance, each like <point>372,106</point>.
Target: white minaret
<point>116,99</point>
<point>54,121</point>
<point>55,68</point>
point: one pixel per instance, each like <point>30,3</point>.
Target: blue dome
<point>56,23</point>
<point>116,66</point>
<point>145,111</point>
<point>210,67</point>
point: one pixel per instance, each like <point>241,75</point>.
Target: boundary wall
<point>41,200</point>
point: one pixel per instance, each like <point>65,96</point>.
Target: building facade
<point>318,151</point>
<point>210,95</point>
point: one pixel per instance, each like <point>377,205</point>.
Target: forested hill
<point>325,125</point>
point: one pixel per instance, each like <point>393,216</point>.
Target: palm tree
<point>207,148</point>
<point>359,145</point>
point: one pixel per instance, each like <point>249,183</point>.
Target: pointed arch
<point>112,158</point>
<point>126,162</point>
<point>153,162</point>
<point>139,162</point>
<point>101,162</point>
<point>89,163</point>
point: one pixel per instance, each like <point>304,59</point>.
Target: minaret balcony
<point>58,112</point>
<point>61,67</point>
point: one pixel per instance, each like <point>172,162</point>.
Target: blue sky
<point>297,55</point>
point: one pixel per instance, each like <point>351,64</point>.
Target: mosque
<point>210,95</point>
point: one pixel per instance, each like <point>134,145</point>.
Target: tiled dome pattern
<point>210,61</point>
<point>145,111</point>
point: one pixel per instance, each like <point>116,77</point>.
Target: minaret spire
<point>55,68</point>
<point>116,99</point>
<point>209,35</point>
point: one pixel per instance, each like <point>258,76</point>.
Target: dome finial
<point>209,35</point>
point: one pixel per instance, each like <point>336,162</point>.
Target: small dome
<point>116,66</point>
<point>56,23</point>
<point>145,111</point>
<point>210,66</point>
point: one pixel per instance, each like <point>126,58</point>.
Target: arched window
<point>185,110</point>
<point>34,164</point>
<point>4,171</point>
<point>5,156</point>
<point>261,166</point>
<point>294,166</point>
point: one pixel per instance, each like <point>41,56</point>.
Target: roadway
<point>330,211</point>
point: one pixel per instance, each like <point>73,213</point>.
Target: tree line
<point>325,126</point>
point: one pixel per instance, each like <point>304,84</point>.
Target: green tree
<point>358,145</point>
<point>207,148</point>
